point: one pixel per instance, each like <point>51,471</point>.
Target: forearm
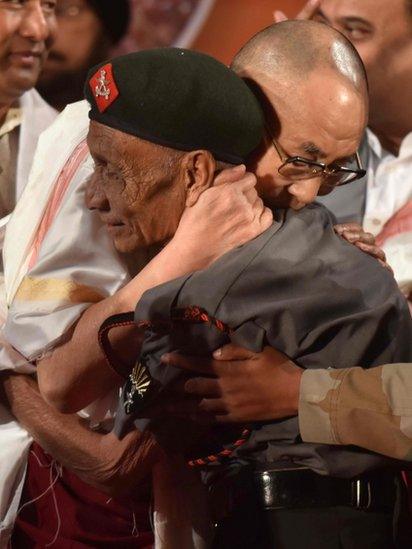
<point>224,216</point>
<point>100,460</point>
<point>76,373</point>
<point>368,408</point>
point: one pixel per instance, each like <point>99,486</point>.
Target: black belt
<point>302,488</point>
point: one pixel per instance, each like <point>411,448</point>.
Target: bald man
<point>296,287</point>
<point>382,202</point>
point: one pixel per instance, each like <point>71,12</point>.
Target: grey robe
<point>303,290</point>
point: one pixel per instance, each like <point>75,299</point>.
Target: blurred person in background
<point>381,31</point>
<point>88,31</point>
<point>26,33</point>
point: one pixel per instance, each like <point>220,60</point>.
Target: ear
<point>199,169</point>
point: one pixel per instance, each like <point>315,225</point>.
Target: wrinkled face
<point>381,31</point>
<point>27,29</point>
<point>78,44</point>
<point>320,123</point>
<point>136,188</point>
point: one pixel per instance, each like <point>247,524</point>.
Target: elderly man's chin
<point>128,242</point>
<point>124,240</point>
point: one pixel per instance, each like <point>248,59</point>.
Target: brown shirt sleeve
<point>368,408</point>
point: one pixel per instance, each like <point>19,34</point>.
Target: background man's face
<point>317,122</point>
<point>78,44</point>
<point>135,187</point>
<point>381,31</point>
<point>27,28</point>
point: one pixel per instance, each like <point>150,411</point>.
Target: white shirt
<point>389,185</point>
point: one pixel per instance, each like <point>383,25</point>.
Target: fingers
<point>309,10</point>
<point>362,237</point>
<point>251,195</point>
<point>386,266</point>
<point>279,16</point>
<point>189,363</point>
<point>266,219</point>
<point>244,182</point>
<point>232,352</point>
<point>230,175</point>
<point>212,406</point>
<point>247,183</point>
<point>342,227</point>
<point>372,250</point>
<point>353,232</point>
<point>204,387</point>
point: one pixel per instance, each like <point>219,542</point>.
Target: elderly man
<point>124,237</point>
<point>307,299</point>
<point>26,30</point>
<point>238,110</point>
<point>88,31</point>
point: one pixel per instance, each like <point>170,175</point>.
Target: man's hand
<point>353,233</point>
<point>246,386</point>
<point>227,215</point>
<point>308,12</point>
<point>111,465</point>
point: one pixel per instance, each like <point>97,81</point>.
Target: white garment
<point>37,115</point>
<point>76,251</point>
<point>389,188</point>
<point>14,441</point>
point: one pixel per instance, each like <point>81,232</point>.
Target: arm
<point>76,373</point>
<point>368,408</point>
<point>103,461</point>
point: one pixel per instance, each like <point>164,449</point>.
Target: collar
<point>404,150</point>
<point>13,119</point>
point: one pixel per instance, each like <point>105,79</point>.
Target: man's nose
<point>95,197</point>
<point>305,191</point>
<point>34,24</point>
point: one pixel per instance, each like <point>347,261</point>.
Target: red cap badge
<point>104,87</point>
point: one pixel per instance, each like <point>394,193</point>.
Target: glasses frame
<point>325,170</point>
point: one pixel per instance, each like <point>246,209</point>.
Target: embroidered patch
<point>104,87</point>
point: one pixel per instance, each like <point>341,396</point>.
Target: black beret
<point>115,16</point>
<point>177,98</point>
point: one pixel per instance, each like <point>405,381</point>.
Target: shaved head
<point>291,50</point>
<point>311,84</point>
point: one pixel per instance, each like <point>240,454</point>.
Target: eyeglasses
<point>297,168</point>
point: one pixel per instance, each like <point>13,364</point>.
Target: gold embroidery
<point>56,289</point>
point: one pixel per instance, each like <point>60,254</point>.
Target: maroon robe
<point>88,518</point>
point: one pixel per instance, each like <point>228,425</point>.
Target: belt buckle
<point>361,494</point>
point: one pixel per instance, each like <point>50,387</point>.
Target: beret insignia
<point>104,88</point>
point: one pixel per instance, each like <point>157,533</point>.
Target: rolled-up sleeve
<point>368,408</point>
